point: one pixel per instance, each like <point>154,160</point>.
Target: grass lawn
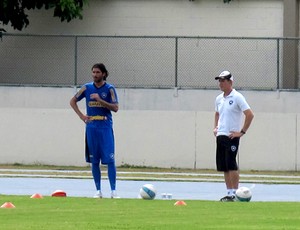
<point>88,213</point>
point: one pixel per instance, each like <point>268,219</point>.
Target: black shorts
<point>226,153</point>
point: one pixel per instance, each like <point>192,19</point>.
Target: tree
<point>13,11</point>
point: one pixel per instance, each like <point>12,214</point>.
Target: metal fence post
<point>75,63</point>
<point>277,70</point>
<point>176,62</point>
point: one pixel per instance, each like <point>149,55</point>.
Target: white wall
<point>159,128</point>
<point>255,18</point>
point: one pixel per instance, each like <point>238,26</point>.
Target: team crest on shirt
<point>103,95</point>
<point>230,102</point>
<point>233,148</point>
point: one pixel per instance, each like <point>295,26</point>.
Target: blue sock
<point>96,175</point>
<point>112,175</point>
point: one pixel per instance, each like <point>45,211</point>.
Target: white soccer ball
<point>148,192</point>
<point>243,194</point>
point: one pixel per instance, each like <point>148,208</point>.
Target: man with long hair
<point>101,98</point>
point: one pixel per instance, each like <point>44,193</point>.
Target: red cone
<point>180,203</point>
<point>8,205</point>
<point>37,196</point>
<point>59,193</point>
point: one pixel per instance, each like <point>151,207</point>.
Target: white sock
<point>230,192</point>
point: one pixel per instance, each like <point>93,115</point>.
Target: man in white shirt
<point>231,107</point>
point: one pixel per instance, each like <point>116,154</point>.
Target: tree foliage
<point>15,11</point>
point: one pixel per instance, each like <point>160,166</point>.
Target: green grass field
<point>87,213</point>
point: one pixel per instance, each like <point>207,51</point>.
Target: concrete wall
<point>162,128</point>
<point>255,18</point>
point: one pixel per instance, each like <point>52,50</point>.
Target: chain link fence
<point>149,62</point>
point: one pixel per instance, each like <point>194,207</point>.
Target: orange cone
<point>8,205</point>
<point>37,196</point>
<point>180,203</point>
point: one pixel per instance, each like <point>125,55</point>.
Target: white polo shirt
<point>230,109</point>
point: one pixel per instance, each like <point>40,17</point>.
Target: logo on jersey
<point>113,96</point>
<point>233,148</point>
<point>230,102</point>
<point>103,95</point>
<point>83,88</point>
<point>94,104</point>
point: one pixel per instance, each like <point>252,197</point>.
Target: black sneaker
<point>228,199</point>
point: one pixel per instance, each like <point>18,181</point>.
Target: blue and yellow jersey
<point>107,93</point>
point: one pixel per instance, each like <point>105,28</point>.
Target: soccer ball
<point>243,194</point>
<point>148,192</point>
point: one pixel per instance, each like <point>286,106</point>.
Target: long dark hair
<point>102,67</point>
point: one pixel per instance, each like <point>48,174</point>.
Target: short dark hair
<point>102,67</point>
